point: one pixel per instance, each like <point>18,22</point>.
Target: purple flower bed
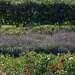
<point>60,41</point>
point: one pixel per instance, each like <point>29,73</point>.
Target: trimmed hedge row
<point>38,13</point>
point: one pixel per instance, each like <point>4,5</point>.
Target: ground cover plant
<point>49,29</point>
<point>37,51</point>
<point>32,63</point>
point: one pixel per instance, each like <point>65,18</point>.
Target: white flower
<point>48,58</point>
<point>10,72</point>
<point>65,71</point>
<point>14,71</point>
<point>4,73</point>
<point>7,72</point>
<point>1,62</point>
<point>70,58</point>
<point>58,53</point>
<point>57,71</point>
<point>7,63</point>
<point>2,56</point>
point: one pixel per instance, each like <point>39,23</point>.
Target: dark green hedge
<point>43,13</point>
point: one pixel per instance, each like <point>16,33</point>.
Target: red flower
<point>26,68</point>
<point>6,27</point>
<point>62,60</point>
<point>25,71</point>
<point>31,62</point>
<point>57,67</point>
<point>60,74</point>
<point>72,69</point>
<point>52,66</point>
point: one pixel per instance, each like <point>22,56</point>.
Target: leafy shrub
<point>38,63</point>
<point>63,50</point>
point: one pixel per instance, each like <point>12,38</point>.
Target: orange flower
<point>0,67</point>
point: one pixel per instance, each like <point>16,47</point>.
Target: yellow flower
<point>0,67</point>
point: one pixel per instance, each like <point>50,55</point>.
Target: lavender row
<point>60,41</point>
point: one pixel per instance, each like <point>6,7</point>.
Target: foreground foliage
<point>31,63</point>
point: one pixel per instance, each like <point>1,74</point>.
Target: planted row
<point>31,63</point>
